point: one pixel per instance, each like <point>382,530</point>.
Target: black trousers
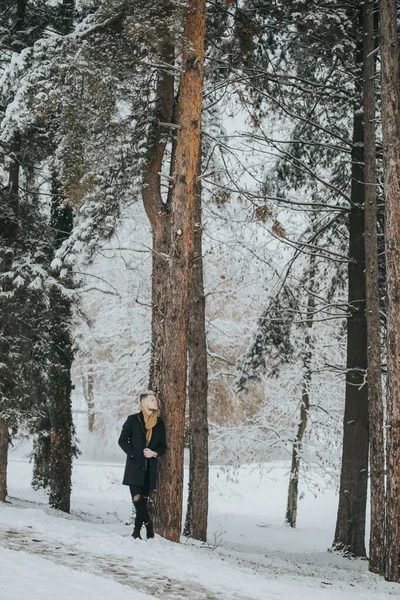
<point>141,503</point>
<point>141,490</point>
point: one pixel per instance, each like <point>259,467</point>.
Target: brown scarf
<point>149,422</point>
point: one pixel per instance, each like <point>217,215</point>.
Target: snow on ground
<point>27,576</point>
<point>250,554</point>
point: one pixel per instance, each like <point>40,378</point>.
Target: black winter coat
<point>133,441</point>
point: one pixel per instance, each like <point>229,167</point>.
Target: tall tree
<point>32,319</point>
<point>8,235</point>
<point>350,523</point>
<point>293,490</point>
<point>60,363</point>
<point>389,45</point>
<point>183,205</point>
<point>61,343</point>
<point>53,448</point>
<point>374,374</point>
<point>158,211</point>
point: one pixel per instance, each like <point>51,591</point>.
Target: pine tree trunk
<point>160,268</point>
<point>197,506</point>
<point>377,454</point>
<point>61,440</point>
<point>61,357</point>
<point>61,351</point>
<point>293,491</point>
<point>183,205</point>
<point>391,156</point>
<point>3,459</point>
<point>350,524</point>
<point>9,234</point>
<point>60,387</point>
<point>158,213</point>
<point>41,453</point>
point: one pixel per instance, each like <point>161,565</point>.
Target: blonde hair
<point>144,395</point>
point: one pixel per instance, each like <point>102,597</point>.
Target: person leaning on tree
<point>143,440</point>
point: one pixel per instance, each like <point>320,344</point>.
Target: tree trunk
<point>3,459</point>
<point>160,267</point>
<point>183,204</point>
<point>88,392</point>
<point>61,357</point>
<point>374,375</point>
<point>391,160</point>
<point>350,524</point>
<point>293,491</point>
<point>61,442</point>
<point>41,474</point>
<point>61,351</point>
<point>9,234</point>
<point>158,214</point>
<point>197,507</point>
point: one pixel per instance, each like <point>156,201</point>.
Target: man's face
<point>150,402</point>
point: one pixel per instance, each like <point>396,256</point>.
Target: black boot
<point>149,530</point>
<point>137,527</point>
<point>142,516</point>
<point>136,534</point>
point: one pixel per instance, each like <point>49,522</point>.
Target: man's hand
<point>149,453</point>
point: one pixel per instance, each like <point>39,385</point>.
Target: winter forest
<point>201,198</point>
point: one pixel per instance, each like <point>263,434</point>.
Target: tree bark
<point>160,268</point>
<point>391,159</point>
<point>90,403</point>
<point>350,523</point>
<point>158,213</point>
<point>374,375</point>
<point>53,447</point>
<point>42,452</point>
<point>61,347</point>
<point>197,506</point>
<point>183,203</point>
<point>88,392</point>
<point>61,441</point>
<point>293,491</point>
<point>61,357</point>
<point>9,227</point>
<point>3,459</point>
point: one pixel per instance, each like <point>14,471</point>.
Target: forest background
<point>183,209</point>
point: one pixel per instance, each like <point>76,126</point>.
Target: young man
<point>143,440</point>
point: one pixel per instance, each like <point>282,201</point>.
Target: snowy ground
<point>250,554</point>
